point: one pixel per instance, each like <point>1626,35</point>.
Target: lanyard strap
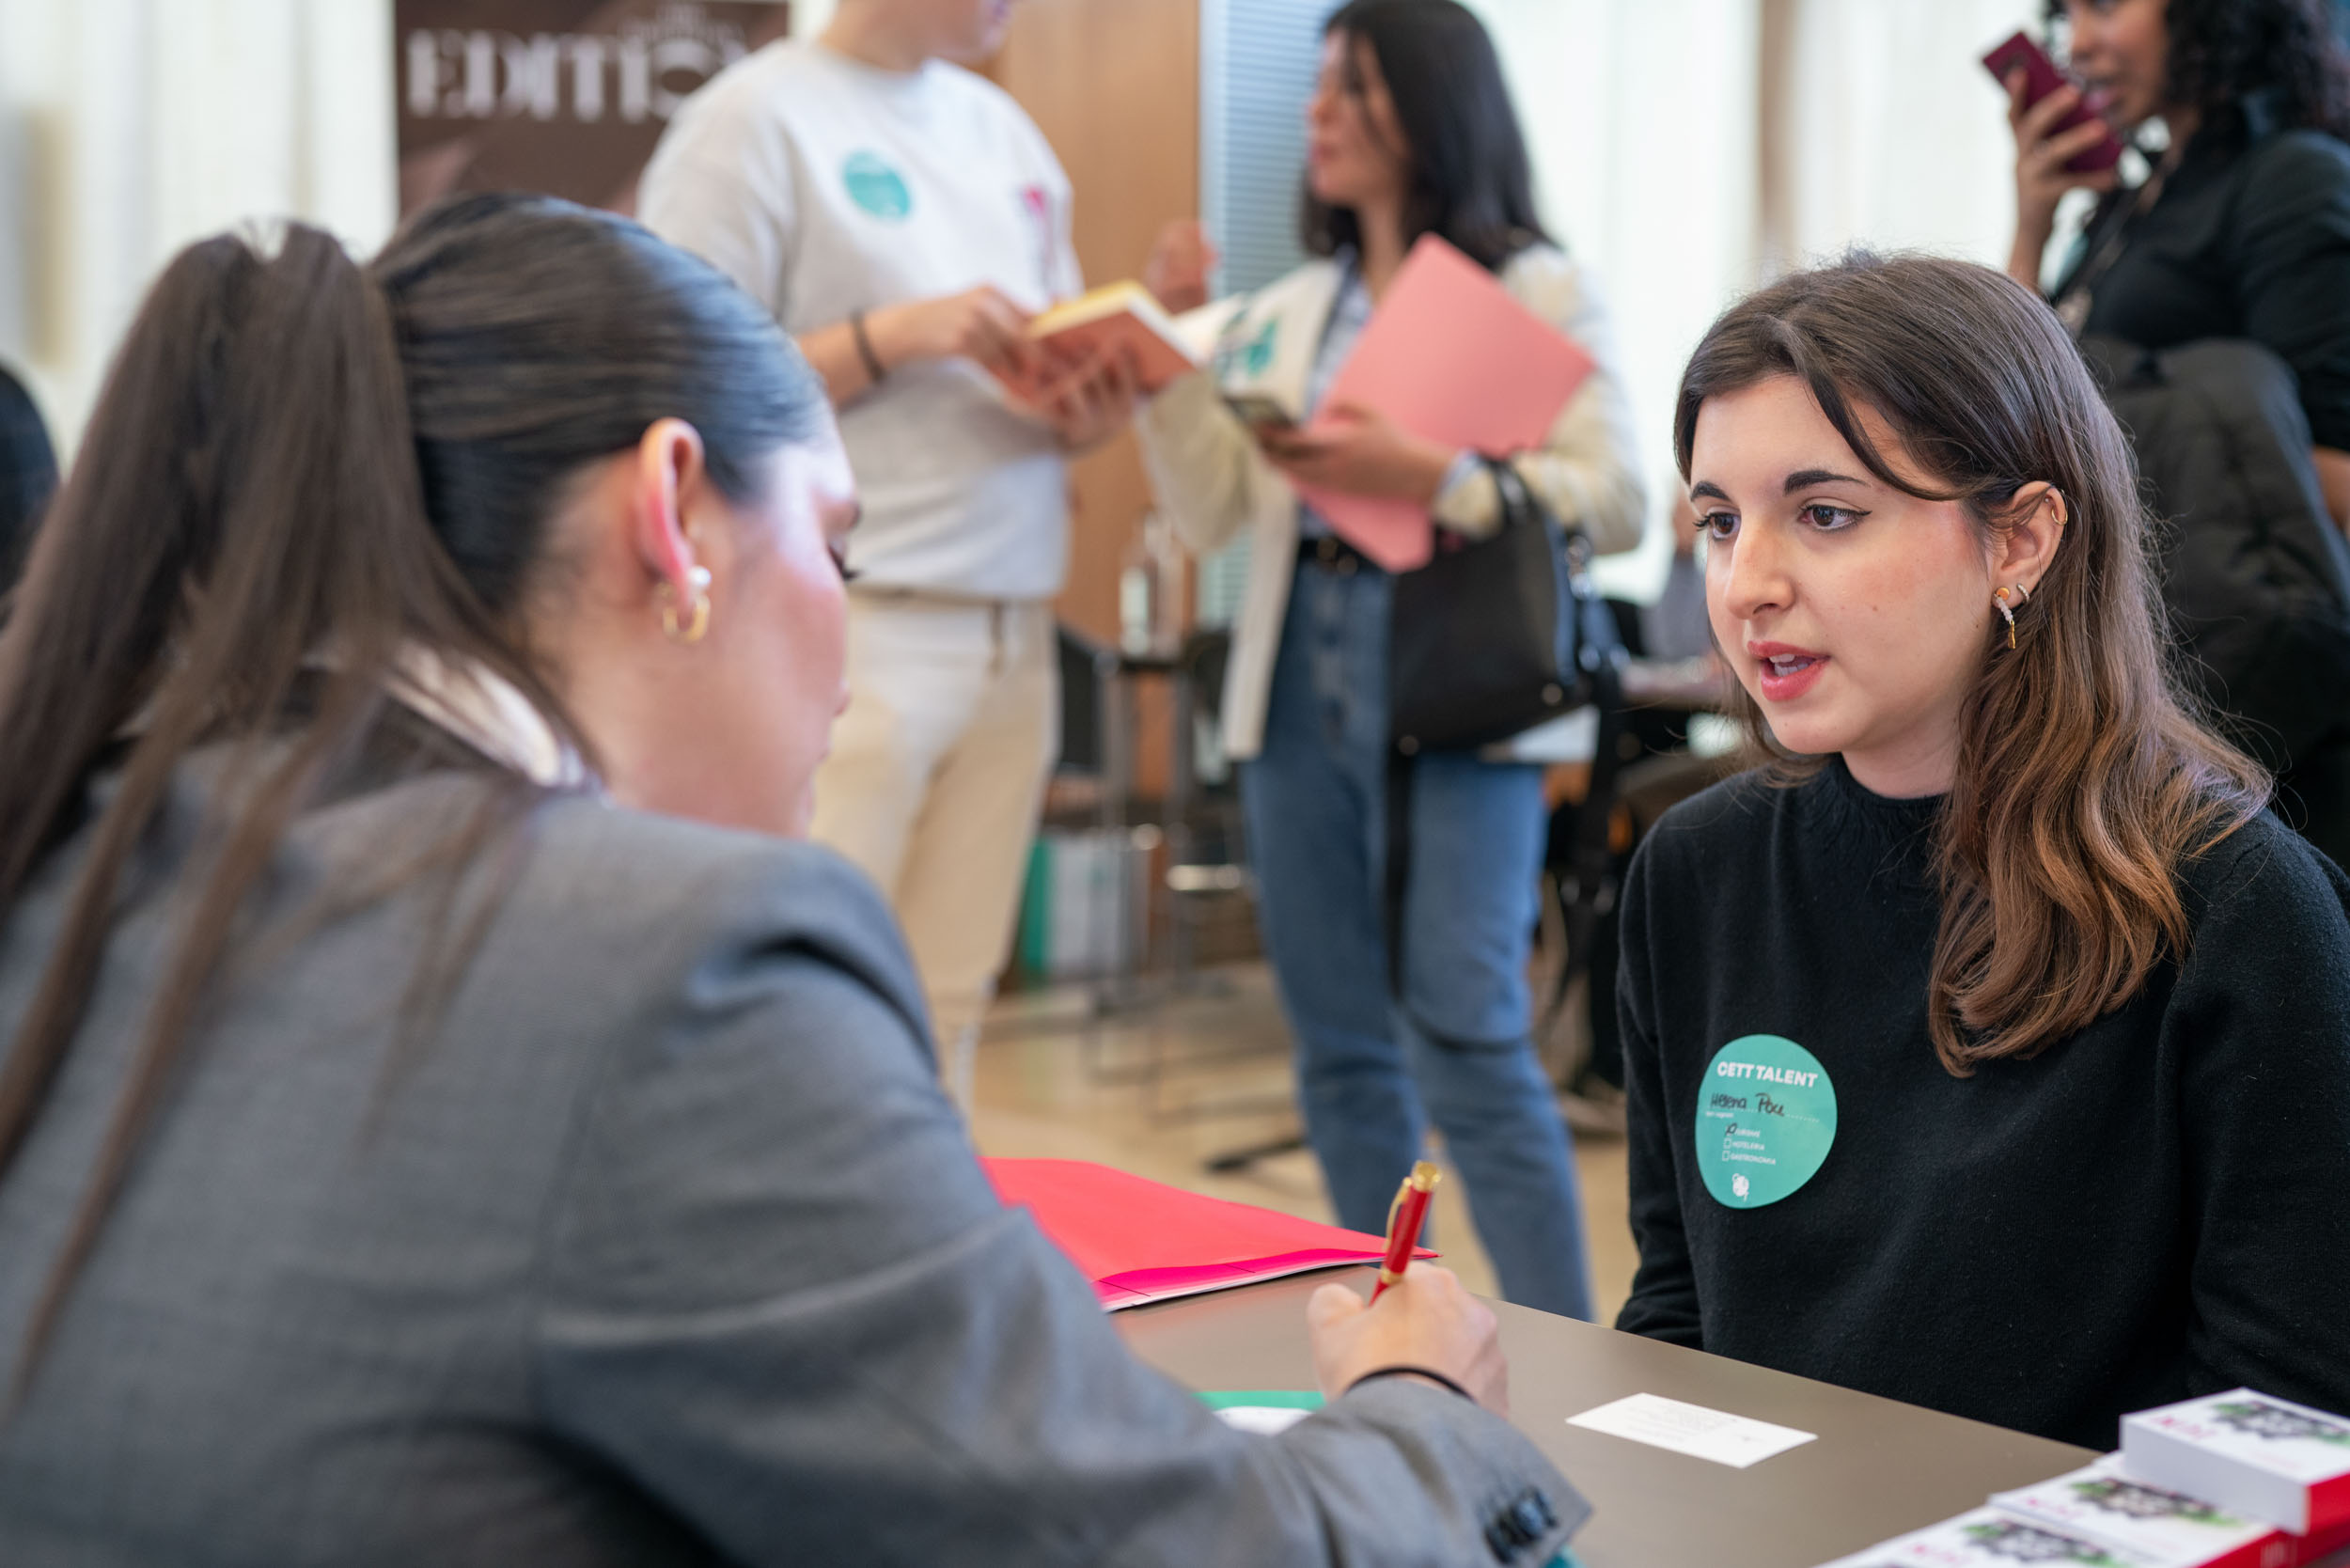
<point>2076,294</point>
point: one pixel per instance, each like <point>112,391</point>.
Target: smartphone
<point>1259,412</point>
<point>2041,78</point>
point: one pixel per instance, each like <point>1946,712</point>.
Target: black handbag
<point>1491,637</point>
<point>1497,635</point>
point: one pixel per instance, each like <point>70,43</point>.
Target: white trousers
<point>936,775</point>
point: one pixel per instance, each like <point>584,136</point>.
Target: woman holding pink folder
<point>1411,133</point>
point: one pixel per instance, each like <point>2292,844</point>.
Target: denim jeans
<point>1373,1071</point>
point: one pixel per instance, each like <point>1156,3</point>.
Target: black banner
<point>561,95</point>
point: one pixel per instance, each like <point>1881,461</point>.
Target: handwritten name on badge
<point>1763,1139</point>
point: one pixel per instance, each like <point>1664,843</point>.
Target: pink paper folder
<point>1450,355</point>
<point>1139,1240</point>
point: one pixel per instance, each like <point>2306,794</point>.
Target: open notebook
<point>1139,1240</point>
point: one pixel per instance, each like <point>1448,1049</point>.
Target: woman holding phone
<point>2239,235</point>
<point>1411,133</point>
<point>446,1116</point>
<point>1990,1049</point>
<point>2242,227</point>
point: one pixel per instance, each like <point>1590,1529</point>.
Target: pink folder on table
<point>1139,1240</point>
<point>1452,356</point>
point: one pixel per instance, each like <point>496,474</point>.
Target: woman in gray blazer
<point>445,1115</point>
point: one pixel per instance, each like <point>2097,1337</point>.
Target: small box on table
<point>2251,1454</point>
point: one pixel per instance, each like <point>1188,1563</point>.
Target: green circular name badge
<point>873,185</point>
<point>1766,1119</point>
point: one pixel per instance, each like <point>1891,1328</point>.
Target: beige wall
<point>1114,87</point>
<point>134,126</point>
<point>1114,84</point>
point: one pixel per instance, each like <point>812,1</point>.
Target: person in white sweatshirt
<point>1411,133</point>
<point>903,219</point>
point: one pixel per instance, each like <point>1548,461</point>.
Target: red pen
<point>1405,1218</point>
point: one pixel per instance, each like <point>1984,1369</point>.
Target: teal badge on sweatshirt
<point>1766,1119</point>
<point>873,185</point>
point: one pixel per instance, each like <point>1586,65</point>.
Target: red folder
<point>1139,1240</point>
<point>1452,356</point>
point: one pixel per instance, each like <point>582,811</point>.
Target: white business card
<point>1266,1420</point>
<point>1691,1429</point>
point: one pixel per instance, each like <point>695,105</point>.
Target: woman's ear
<point>669,478</point>
<point>2026,536</point>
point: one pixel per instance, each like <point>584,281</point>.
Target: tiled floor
<point>1158,1091</point>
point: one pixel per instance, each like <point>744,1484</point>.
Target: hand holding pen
<point>1425,1324</point>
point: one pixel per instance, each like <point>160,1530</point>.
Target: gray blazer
<point>665,1248</point>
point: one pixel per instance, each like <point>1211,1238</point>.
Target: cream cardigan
<point>1211,481</point>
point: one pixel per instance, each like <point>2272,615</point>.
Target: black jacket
<point>28,472</point>
<point>2255,574</point>
<point>2249,238</point>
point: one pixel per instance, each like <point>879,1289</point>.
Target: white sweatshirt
<point>824,186</point>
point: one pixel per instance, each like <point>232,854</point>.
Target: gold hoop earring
<point>697,615</point>
<point>2000,599</point>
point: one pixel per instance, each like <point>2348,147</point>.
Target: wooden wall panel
<point>1114,84</point>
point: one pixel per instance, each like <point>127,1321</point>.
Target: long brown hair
<point>2085,779</point>
<point>298,473</point>
<point>1471,180</point>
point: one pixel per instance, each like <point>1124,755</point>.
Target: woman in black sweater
<point>1991,1049</point>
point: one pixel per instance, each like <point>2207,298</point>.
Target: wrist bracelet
<point>1432,1375</point>
<point>875,371</point>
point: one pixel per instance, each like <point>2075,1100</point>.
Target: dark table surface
<point>1877,1469</point>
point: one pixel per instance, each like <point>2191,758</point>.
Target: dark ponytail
<point>297,473</point>
<point>536,336</point>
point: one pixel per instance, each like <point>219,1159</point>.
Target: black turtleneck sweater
<point>2157,1207</point>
